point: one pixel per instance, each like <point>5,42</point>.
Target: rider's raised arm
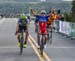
<point>34,13</point>
<point>17,26</point>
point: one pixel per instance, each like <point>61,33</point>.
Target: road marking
<point>11,47</point>
<point>6,47</point>
<point>45,55</point>
<point>60,47</point>
<point>35,49</point>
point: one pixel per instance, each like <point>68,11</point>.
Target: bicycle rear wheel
<point>51,37</point>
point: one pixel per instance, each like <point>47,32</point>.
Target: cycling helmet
<point>43,11</point>
<point>22,16</point>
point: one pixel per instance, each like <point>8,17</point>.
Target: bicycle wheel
<point>51,37</point>
<point>38,39</point>
<point>41,46</point>
<point>48,36</point>
<point>21,44</point>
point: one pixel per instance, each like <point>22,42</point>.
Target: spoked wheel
<point>41,51</point>
<point>48,36</point>
<point>42,47</point>
<point>51,37</point>
<point>21,46</point>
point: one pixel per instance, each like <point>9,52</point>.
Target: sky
<point>58,0</point>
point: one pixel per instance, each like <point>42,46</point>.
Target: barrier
<point>67,28</point>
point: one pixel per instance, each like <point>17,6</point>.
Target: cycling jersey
<point>51,18</point>
<point>42,20</point>
<point>22,25</point>
<point>22,22</point>
<point>49,21</point>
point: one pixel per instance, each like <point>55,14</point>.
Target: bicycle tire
<point>21,44</point>
<point>51,37</point>
<point>21,47</point>
<point>42,46</point>
<point>48,36</point>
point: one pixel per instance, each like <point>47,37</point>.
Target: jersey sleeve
<point>47,17</point>
<point>37,18</point>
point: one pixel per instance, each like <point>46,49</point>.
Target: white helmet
<point>43,11</point>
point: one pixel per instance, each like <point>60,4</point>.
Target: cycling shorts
<point>48,25</point>
<point>42,28</point>
<point>22,28</point>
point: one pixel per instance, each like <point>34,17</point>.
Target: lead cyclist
<point>42,24</point>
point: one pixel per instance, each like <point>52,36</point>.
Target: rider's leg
<point>38,39</point>
<point>46,38</point>
<point>18,37</point>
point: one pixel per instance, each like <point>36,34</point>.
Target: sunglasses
<point>43,13</point>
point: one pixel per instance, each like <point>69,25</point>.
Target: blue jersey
<point>42,18</point>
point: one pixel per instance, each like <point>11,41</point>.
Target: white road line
<point>59,47</point>
<point>6,47</point>
<point>11,47</point>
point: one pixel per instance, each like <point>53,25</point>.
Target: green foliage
<point>73,11</point>
<point>68,17</point>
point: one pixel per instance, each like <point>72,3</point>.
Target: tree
<point>73,11</point>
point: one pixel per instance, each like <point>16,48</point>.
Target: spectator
<point>61,17</point>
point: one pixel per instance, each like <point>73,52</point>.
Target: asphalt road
<point>62,48</point>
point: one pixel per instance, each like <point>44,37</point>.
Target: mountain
<point>54,1</point>
<point>19,0</point>
<point>27,0</point>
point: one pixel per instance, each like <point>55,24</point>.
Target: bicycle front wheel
<point>41,46</point>
<point>21,47</point>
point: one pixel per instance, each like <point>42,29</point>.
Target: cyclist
<point>42,23</point>
<point>22,25</point>
<point>51,18</point>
